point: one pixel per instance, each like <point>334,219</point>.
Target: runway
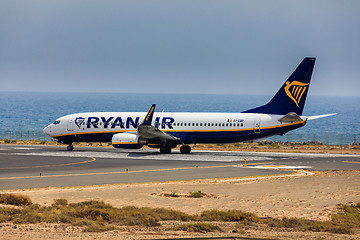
<point>43,166</point>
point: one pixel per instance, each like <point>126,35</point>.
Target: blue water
<point>23,115</point>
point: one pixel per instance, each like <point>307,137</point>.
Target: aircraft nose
<point>47,130</point>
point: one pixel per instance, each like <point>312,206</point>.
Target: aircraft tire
<point>185,149</point>
<point>70,147</point>
<point>165,150</point>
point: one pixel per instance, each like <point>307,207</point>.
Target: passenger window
<point>242,124</point>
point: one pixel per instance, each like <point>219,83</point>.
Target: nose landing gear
<point>70,147</point>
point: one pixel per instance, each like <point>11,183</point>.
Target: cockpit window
<point>56,122</point>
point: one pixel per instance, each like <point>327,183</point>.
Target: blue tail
<point>292,95</point>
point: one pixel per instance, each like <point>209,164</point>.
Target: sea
<point>23,115</point>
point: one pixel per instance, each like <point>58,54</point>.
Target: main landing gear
<point>185,149</point>
<point>165,150</point>
<point>70,147</point>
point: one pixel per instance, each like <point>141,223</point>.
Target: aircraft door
<point>70,125</point>
<point>257,125</point>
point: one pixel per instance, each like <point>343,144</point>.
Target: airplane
<point>167,130</point>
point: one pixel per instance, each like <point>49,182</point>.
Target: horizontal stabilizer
<point>291,117</point>
<point>320,116</point>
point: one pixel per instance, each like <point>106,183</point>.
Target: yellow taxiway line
<point>349,162</point>
<point>55,165</point>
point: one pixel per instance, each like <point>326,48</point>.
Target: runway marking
<point>55,165</point>
<point>122,172</point>
<point>249,164</point>
<point>24,148</point>
<point>349,162</point>
<point>280,167</point>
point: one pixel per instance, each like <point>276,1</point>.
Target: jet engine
<point>127,140</point>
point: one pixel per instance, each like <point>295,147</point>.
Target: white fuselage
<point>189,127</point>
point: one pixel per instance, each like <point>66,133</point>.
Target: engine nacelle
<point>126,140</point>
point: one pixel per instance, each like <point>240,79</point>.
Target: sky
<point>187,46</point>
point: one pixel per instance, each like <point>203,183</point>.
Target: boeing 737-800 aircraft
<point>166,130</point>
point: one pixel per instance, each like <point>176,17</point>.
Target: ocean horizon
<point>27,112</point>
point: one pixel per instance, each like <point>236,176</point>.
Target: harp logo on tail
<point>295,90</point>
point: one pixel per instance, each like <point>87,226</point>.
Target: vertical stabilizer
<point>292,95</point>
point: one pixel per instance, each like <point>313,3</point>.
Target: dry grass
<point>95,216</point>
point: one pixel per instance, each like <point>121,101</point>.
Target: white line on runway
<point>24,148</point>
<point>279,167</point>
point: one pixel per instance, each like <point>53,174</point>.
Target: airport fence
<point>33,134</point>
<point>299,137</point>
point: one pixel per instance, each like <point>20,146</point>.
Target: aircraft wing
<point>146,131</point>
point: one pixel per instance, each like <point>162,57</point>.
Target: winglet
<point>149,116</point>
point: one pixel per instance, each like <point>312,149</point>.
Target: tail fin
<point>292,95</point>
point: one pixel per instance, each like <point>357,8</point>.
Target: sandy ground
<point>312,196</point>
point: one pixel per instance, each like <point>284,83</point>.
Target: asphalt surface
<point>42,166</point>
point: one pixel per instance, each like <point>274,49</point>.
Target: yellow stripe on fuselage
<point>127,143</point>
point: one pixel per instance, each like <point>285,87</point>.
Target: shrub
<point>134,216</point>
<point>7,140</point>
<point>166,214</point>
<point>61,202</point>
<point>173,194</point>
<point>229,216</point>
<point>197,194</point>
<point>15,199</point>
